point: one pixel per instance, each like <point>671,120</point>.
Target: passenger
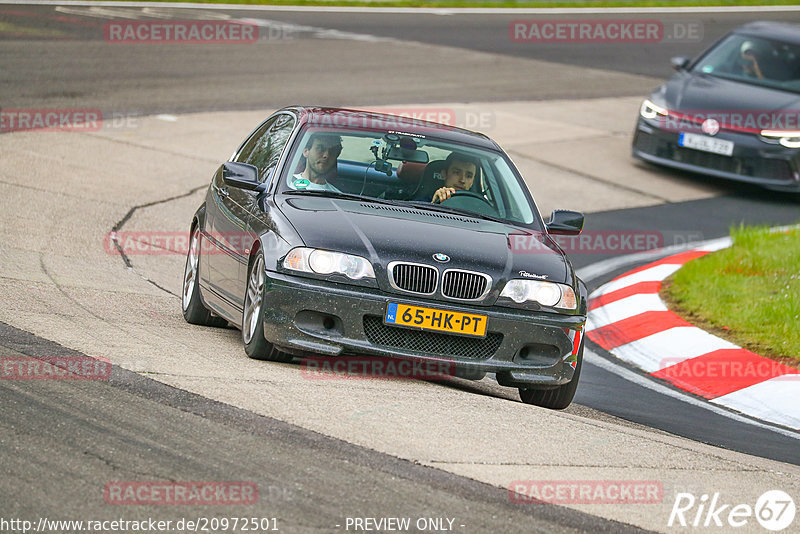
<point>458,173</point>
<point>321,155</point>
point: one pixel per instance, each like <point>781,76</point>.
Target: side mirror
<point>565,222</point>
<point>680,62</point>
<point>241,175</point>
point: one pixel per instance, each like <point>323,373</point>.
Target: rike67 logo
<point>774,510</point>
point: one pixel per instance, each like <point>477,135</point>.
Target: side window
<point>267,149</point>
<point>247,150</point>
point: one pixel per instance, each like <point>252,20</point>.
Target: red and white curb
<point>628,318</point>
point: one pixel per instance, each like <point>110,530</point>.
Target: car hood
<point>689,92</point>
<point>386,233</point>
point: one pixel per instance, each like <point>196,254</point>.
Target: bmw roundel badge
<point>441,258</point>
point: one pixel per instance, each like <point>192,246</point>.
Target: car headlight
<point>652,111</point>
<point>548,294</point>
<point>312,260</point>
<point>787,138</point>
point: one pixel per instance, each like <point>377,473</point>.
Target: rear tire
<point>192,305</point>
<point>555,398</point>
<point>255,344</point>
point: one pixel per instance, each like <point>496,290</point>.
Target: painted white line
<point>101,12</point>
<point>623,309</point>
<point>648,383</point>
<point>761,399</point>
<point>602,268</point>
<point>653,274</point>
<point>119,12</point>
<point>672,346</point>
<point>716,245</point>
<point>320,33</point>
<point>428,10</point>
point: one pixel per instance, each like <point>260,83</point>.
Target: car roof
<point>780,31</point>
<point>367,120</point>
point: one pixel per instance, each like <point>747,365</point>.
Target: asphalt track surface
<point>683,34</point>
<point>109,434</point>
<point>172,79</point>
<point>309,481</point>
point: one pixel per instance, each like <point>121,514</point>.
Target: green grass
<point>497,3</point>
<point>748,293</point>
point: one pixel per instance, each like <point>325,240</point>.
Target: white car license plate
<point>706,144</point>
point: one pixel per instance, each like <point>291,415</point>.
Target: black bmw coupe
<point>733,112</point>
<point>335,232</point>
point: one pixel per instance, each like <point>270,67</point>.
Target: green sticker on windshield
<point>708,68</point>
<point>302,183</point>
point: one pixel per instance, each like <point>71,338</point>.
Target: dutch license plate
<point>435,320</point>
<point>706,144</point>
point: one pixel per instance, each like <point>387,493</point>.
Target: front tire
<point>255,344</point>
<point>555,398</point>
<point>192,305</point>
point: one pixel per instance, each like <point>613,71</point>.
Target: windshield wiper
<point>446,209</point>
<point>339,194</point>
<point>421,204</point>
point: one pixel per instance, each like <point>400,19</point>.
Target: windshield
<point>754,60</point>
<point>408,169</point>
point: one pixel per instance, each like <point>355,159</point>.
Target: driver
<point>458,173</point>
<point>321,155</point>
<point>751,53</point>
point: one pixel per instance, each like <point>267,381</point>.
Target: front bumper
<point>754,161</point>
<point>523,348</point>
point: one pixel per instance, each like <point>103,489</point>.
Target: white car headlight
<point>548,294</point>
<point>652,111</point>
<point>311,260</point>
<point>787,138</point>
